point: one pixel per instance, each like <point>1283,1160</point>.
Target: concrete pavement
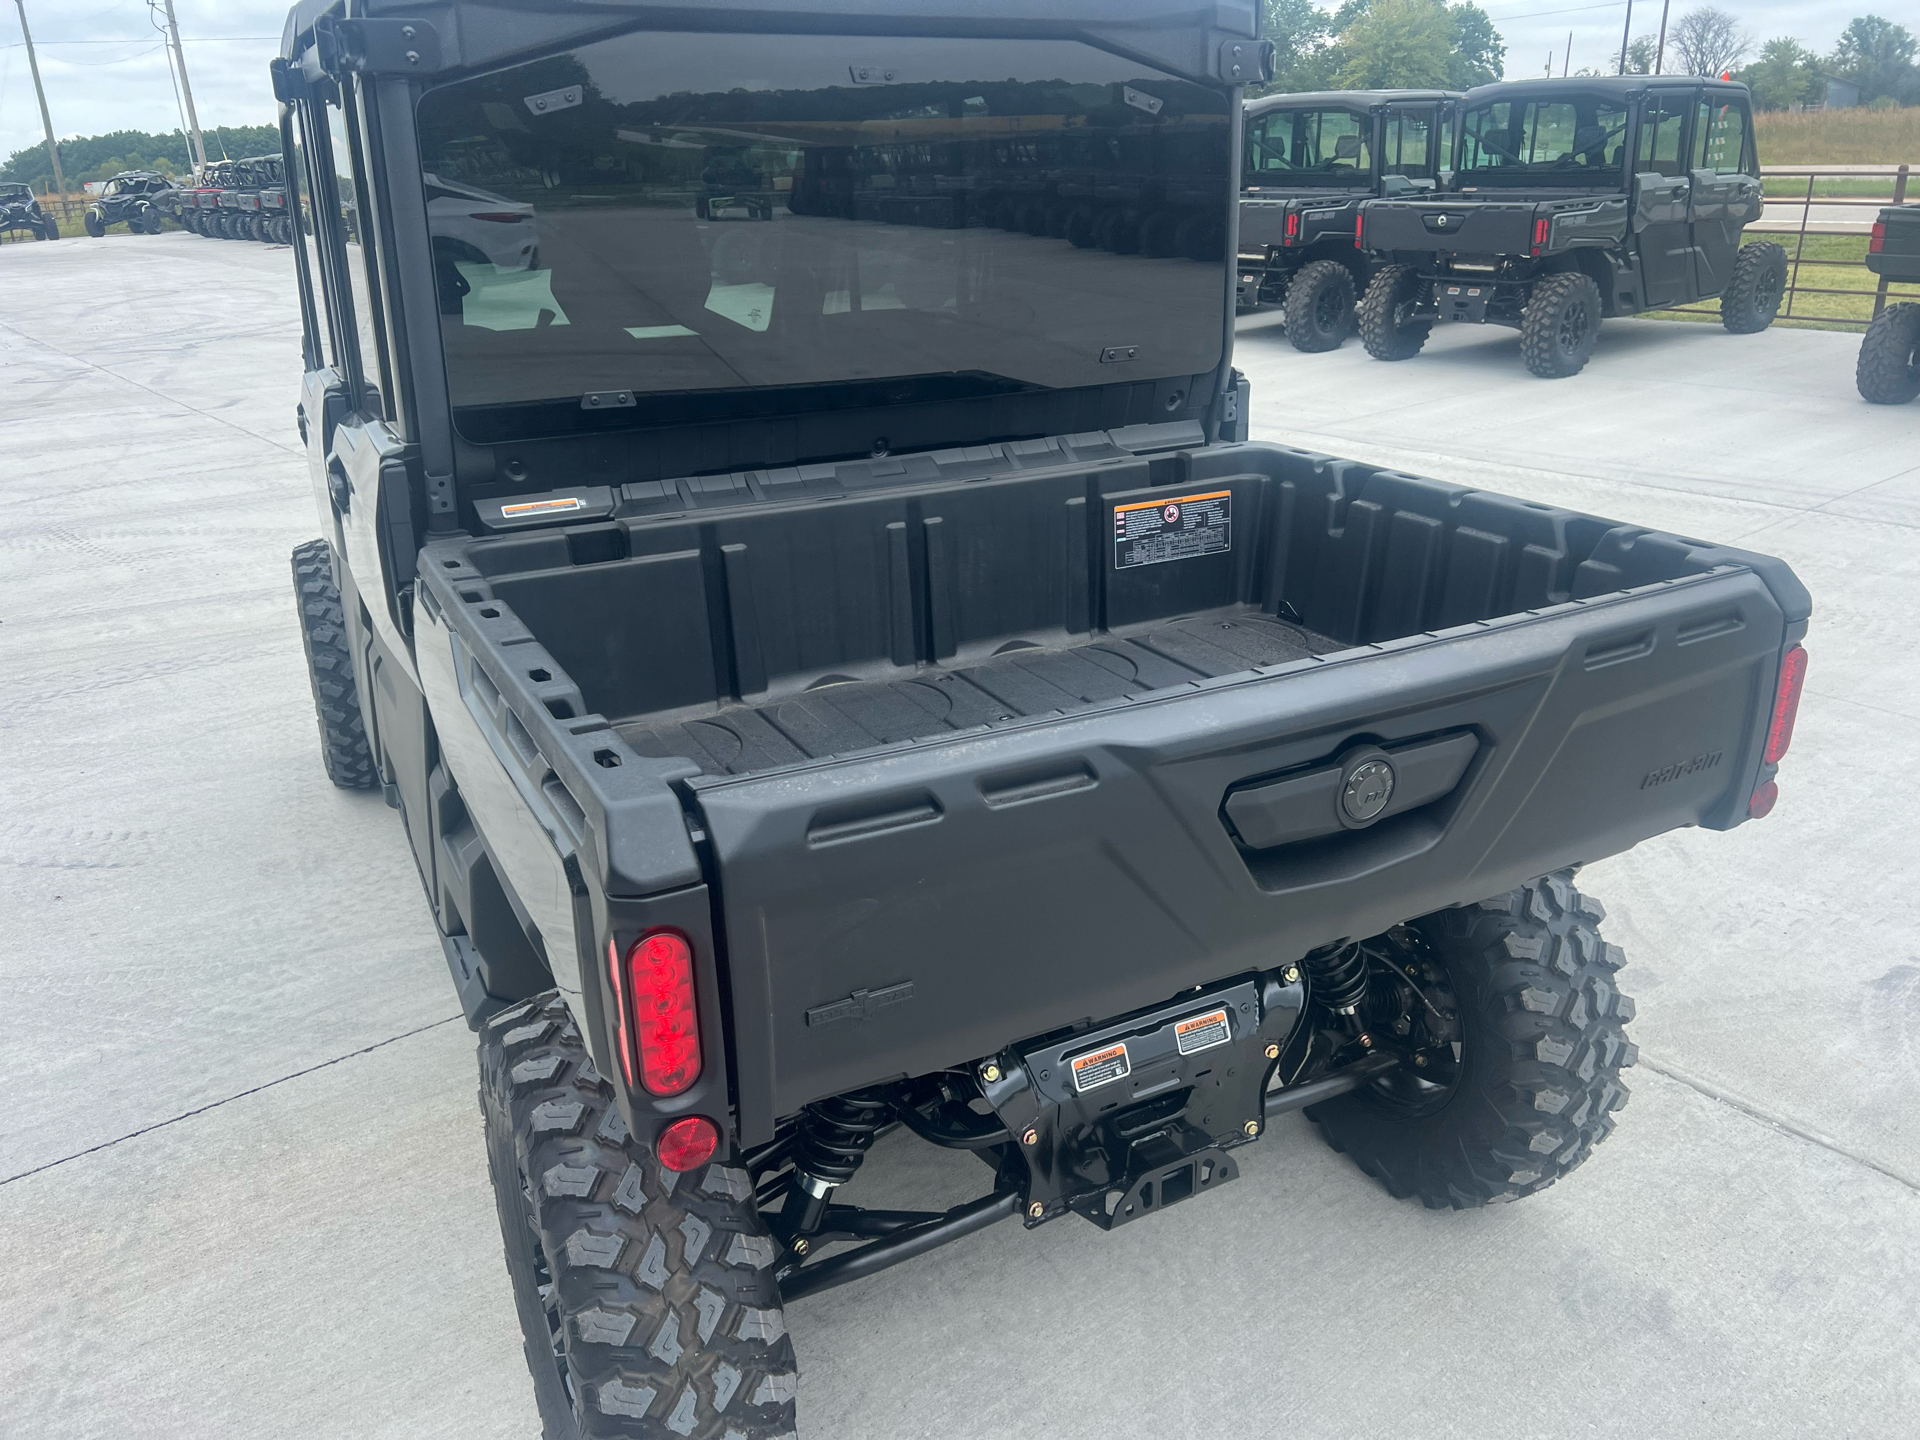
<point>242,1191</point>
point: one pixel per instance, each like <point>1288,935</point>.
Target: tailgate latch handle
<point>1366,785</point>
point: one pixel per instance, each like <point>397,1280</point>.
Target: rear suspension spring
<point>828,1151</point>
<point>1339,977</point>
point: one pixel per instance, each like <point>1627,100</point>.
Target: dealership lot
<point>242,1190</point>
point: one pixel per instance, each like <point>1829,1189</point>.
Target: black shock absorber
<point>833,1141</point>
<point>1339,977</point>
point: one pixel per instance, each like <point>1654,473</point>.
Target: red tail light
<point>1762,803</point>
<point>1786,704</point>
<point>504,217</point>
<point>687,1144</point>
<point>1293,226</point>
<point>665,1027</point>
<point>1879,240</point>
<point>1359,230</point>
<point>1540,234</point>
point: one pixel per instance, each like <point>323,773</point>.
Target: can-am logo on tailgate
<point>1685,767</point>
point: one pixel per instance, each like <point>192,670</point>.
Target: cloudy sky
<point>105,70</point>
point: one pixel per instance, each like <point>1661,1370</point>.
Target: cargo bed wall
<point>702,634</point>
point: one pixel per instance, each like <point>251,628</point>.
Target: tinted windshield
<point>676,213</point>
<point>1310,147</point>
<point>1566,140</point>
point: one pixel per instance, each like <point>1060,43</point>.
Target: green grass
<point>1822,265</point>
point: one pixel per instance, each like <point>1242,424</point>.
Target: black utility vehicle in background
<point>1573,200</point>
<point>20,210</point>
<point>839,673</point>
<point>135,198</point>
<point>1308,163</point>
<point>1888,370</point>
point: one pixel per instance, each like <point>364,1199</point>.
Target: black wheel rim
<point>1573,325</point>
<point>1772,286</point>
<point>1327,308</point>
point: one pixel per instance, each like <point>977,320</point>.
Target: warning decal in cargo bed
<point>1181,527</point>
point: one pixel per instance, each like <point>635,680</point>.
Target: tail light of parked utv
<point>1877,241</point>
<point>1540,234</point>
<point>659,1030</point>
<point>1293,227</point>
<point>1786,706</point>
<point>1360,230</point>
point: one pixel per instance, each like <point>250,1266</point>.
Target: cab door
<point>1410,142</point>
<point>1661,220</point>
<point>1725,190</point>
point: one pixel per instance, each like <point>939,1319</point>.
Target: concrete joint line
<point>215,1105</point>
<point>1777,1122</point>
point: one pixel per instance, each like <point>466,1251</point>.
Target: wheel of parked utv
<point>1200,237</point>
<point>1536,1077</point>
<point>1560,324</point>
<point>1752,297</point>
<point>1159,234</point>
<point>336,697</point>
<point>1320,306</point>
<point>96,223</point>
<point>647,1299</point>
<point>1888,370</point>
<point>1082,229</point>
<point>49,229</point>
<point>1120,233</point>
<point>1385,320</point>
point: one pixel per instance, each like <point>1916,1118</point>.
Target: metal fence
<point>1795,213</point>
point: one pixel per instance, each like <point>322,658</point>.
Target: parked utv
<point>20,210</point>
<point>1309,162</point>
<point>839,673</point>
<point>1888,370</point>
<point>133,198</point>
<point>258,201</point>
<point>1573,200</point>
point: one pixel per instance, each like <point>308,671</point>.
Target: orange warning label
<point>1098,1067</point>
<point>1180,527</point>
<point>542,507</point>
<point>1202,1032</point>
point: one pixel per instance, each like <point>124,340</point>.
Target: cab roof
<point>1357,99</point>
<point>1619,85</point>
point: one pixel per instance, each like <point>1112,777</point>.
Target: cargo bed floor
<point>840,718</point>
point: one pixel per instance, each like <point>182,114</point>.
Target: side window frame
<point>298,186</point>
<point>366,207</point>
<point>336,292</point>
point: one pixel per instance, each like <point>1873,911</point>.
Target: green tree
<point>1479,55</point>
<point>1640,55</point>
<point>1877,55</point>
<point>1302,35</point>
<point>1397,44</point>
<point>84,156</point>
<point>1787,73</point>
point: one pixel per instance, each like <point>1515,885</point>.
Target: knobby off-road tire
<point>1753,294</point>
<point>1542,1046</point>
<point>1888,370</point>
<point>647,1299</point>
<point>1560,324</point>
<point>336,698</point>
<point>1320,307</point>
<point>1384,327</point>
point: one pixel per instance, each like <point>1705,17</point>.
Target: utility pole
<point>193,120</point>
<point>1566,64</point>
<point>1625,30</point>
<point>46,119</point>
<point>1660,50</point>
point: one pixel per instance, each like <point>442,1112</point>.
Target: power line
<point>136,39</point>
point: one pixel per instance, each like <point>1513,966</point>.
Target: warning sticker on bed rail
<point>1202,1032</point>
<point>1182,527</point>
<point>1098,1067</point>
<point>542,507</point>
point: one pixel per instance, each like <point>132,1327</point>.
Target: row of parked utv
<point>229,200</point>
<point>1544,205</point>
